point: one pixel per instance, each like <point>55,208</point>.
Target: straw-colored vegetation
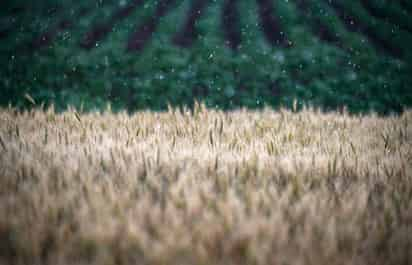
<point>205,187</point>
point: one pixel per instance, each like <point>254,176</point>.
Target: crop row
<point>228,54</point>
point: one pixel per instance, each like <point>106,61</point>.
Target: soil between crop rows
<point>230,24</point>
<point>188,34</point>
<point>100,31</point>
<point>355,25</point>
<point>144,32</point>
<point>318,28</point>
<point>270,23</point>
<point>66,23</point>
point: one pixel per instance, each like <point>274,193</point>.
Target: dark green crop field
<point>141,54</point>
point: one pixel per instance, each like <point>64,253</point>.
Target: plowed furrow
<point>100,31</point>
<point>47,37</point>
<point>188,34</point>
<point>387,16</point>
<point>317,27</point>
<point>230,24</point>
<point>355,25</point>
<point>270,24</point>
<point>144,32</point>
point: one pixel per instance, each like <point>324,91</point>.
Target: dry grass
<point>206,187</point>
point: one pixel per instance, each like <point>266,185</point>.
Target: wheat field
<point>205,186</point>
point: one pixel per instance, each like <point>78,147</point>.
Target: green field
<point>328,54</point>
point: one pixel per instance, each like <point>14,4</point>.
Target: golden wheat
<point>205,187</point>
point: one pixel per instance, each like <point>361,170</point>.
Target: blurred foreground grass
<point>205,187</point>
